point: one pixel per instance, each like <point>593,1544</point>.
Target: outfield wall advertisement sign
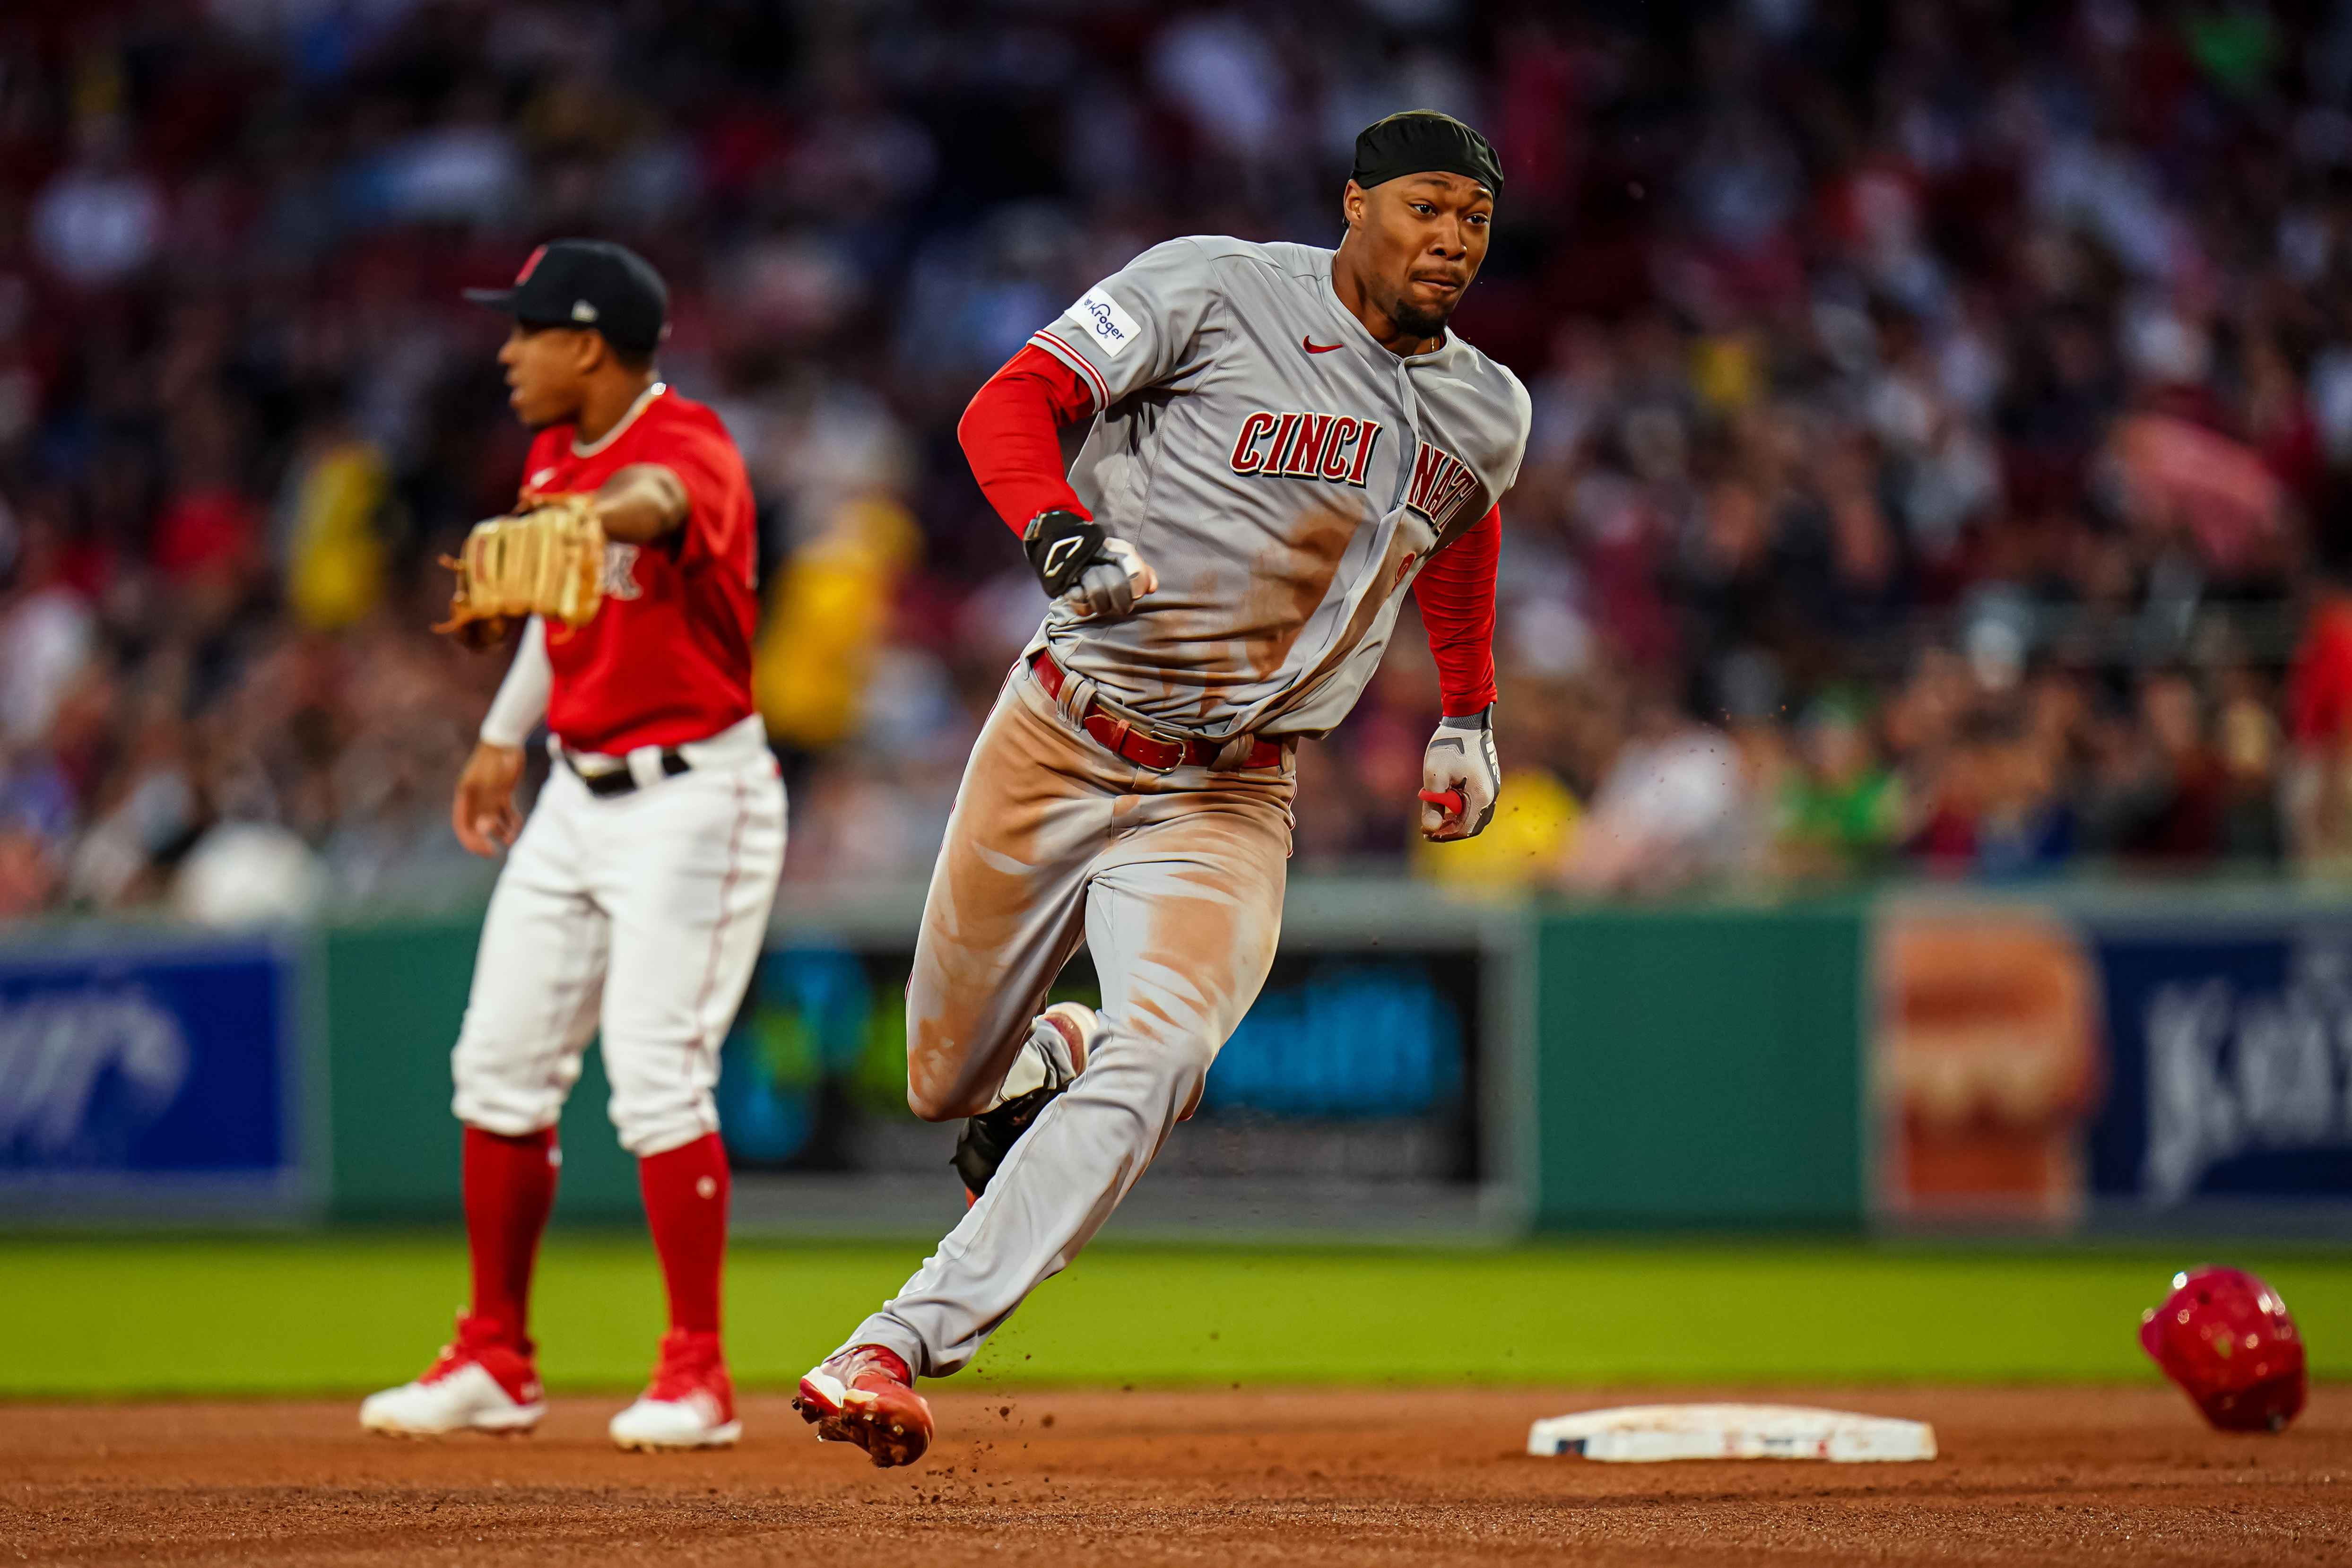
<point>2032,1067</point>
<point>2231,1053</point>
<point>1341,1050</point>
<point>1987,1067</point>
<point>149,1070</point>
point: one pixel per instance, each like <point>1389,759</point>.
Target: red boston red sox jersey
<point>667,657</point>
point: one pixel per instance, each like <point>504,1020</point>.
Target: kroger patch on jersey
<point>1338,448</point>
<point>1111,327</point>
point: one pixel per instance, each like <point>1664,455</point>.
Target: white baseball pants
<point>640,914</point>
<point>1175,883</point>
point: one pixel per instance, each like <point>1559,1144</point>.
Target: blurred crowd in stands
<point>1942,462</point>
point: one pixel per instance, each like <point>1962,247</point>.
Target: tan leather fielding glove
<point>548,561</point>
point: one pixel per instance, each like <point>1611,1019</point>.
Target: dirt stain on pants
<point>1174,881</point>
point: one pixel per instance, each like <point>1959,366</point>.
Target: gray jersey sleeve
<point>1522,420</point>
<point>1140,325</point>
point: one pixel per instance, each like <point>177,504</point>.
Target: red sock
<point>686,1204</point>
<point>510,1187</point>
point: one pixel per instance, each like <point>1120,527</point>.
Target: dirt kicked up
<point>1324,1476</point>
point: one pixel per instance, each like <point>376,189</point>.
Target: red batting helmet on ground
<point>2226,1338</point>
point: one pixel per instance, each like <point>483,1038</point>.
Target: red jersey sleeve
<point>1457,594</point>
<point>718,492</point>
<point>1010,434</point>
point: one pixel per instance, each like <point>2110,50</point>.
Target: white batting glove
<point>1460,778</point>
<point>1108,590</point>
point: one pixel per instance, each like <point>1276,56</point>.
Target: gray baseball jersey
<point>1284,474</point>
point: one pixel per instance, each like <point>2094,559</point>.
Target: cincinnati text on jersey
<point>1443,485</point>
<point>1333,446</point>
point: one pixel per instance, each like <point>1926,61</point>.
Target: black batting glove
<point>1061,545</point>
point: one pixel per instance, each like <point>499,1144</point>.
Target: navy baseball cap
<point>587,283</point>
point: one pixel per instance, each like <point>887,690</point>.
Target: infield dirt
<point>1301,1478</point>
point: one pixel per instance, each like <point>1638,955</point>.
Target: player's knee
<point>648,1124</point>
<point>1173,1062</point>
<point>1185,1050</point>
<point>948,1103</point>
<point>943,1084</point>
<point>504,1121</point>
<point>1187,1079</point>
<point>506,1102</point>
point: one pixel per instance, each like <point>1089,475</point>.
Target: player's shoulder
<point>1201,250</point>
<point>676,410</point>
<point>1224,258</point>
<point>1487,380</point>
<point>677,418</point>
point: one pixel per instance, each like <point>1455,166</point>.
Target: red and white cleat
<point>481,1382</point>
<point>865,1395</point>
<point>691,1402</point>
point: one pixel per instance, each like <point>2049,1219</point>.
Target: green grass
<point>335,1314</point>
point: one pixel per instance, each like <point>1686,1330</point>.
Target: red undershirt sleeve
<point>1009,434</point>
<point>1457,594</point>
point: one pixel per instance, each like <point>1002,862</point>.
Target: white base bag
<point>1647,1434</point>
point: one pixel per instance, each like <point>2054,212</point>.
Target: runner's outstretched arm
<point>1010,434</point>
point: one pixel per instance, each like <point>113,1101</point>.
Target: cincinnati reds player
<point>636,896</point>
<point>1281,439</point>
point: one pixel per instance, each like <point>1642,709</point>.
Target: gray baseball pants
<point>1174,881</point>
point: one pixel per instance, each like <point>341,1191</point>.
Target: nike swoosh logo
<point>1312,347</point>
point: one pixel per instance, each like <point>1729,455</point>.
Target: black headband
<point>1423,142</point>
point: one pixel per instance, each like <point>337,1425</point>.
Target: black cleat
<point>1049,1062</point>
<point>989,1137</point>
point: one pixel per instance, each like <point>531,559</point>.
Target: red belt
<point>1152,751</point>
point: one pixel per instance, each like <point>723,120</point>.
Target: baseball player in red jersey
<point>635,900</point>
<point>1280,440</point>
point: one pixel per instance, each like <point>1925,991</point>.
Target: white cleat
<point>463,1397</point>
<point>694,1422</point>
<point>690,1403</point>
<point>479,1383</point>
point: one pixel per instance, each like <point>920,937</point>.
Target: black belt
<point>620,781</point>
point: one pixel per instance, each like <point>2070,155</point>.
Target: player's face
<point>1425,236</point>
<point>547,371</point>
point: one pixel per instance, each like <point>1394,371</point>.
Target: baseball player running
<point>634,899</point>
<point>1281,439</point>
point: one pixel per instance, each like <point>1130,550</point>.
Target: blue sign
<point>160,1061</point>
<point>2230,1063</point>
<point>1357,1038</point>
<point>826,1035</point>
